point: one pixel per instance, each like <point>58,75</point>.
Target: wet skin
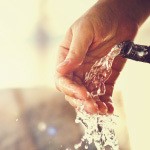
<point>90,38</point>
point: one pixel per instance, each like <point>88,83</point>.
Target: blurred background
<point>33,115</point>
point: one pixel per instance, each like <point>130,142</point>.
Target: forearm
<point>137,10</point>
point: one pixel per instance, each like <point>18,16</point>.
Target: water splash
<point>99,129</point>
<point>100,72</point>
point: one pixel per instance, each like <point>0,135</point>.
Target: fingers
<point>71,88</point>
<point>79,45</point>
<point>77,94</point>
<point>64,47</point>
<point>89,106</point>
<point>81,40</point>
<point>110,107</point>
<point>108,102</point>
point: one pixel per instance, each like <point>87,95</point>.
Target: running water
<point>99,129</point>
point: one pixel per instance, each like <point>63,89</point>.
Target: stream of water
<point>99,129</point>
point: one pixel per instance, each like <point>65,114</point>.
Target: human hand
<point>87,40</point>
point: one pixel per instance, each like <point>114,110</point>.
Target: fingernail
<point>102,107</point>
<point>110,107</point>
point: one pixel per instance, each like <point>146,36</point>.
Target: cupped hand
<point>90,38</point>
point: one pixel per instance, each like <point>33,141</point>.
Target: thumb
<point>78,48</point>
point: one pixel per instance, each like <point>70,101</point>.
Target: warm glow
<point>23,65</point>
